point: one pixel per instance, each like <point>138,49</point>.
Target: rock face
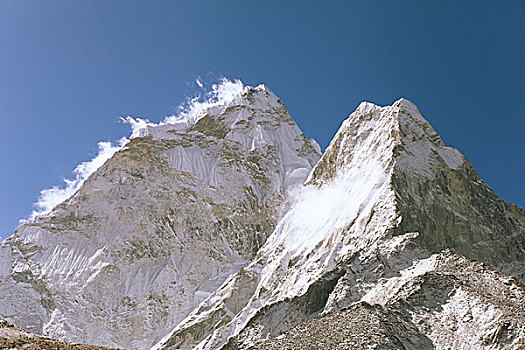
<point>158,227</point>
<point>385,230</point>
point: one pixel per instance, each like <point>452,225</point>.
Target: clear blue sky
<point>69,69</point>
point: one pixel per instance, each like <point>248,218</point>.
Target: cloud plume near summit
<point>193,108</point>
<point>51,197</point>
<point>189,111</point>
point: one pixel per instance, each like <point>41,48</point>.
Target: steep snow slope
<point>386,194</point>
<point>158,227</point>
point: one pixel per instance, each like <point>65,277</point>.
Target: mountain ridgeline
<point>233,231</point>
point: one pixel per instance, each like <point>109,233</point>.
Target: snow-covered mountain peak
<point>366,107</point>
<point>398,132</point>
<point>405,103</point>
<point>401,103</point>
<point>385,193</point>
<point>160,225</point>
<point>259,97</point>
<point>254,108</point>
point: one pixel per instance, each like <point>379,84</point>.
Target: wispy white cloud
<point>136,124</point>
<point>193,108</point>
<point>51,197</point>
<point>218,95</point>
<point>199,82</point>
<point>190,110</point>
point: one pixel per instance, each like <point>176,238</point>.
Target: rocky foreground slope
<point>14,338</point>
<point>199,235</point>
<point>444,302</point>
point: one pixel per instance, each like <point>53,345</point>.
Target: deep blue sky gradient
<point>70,69</point>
